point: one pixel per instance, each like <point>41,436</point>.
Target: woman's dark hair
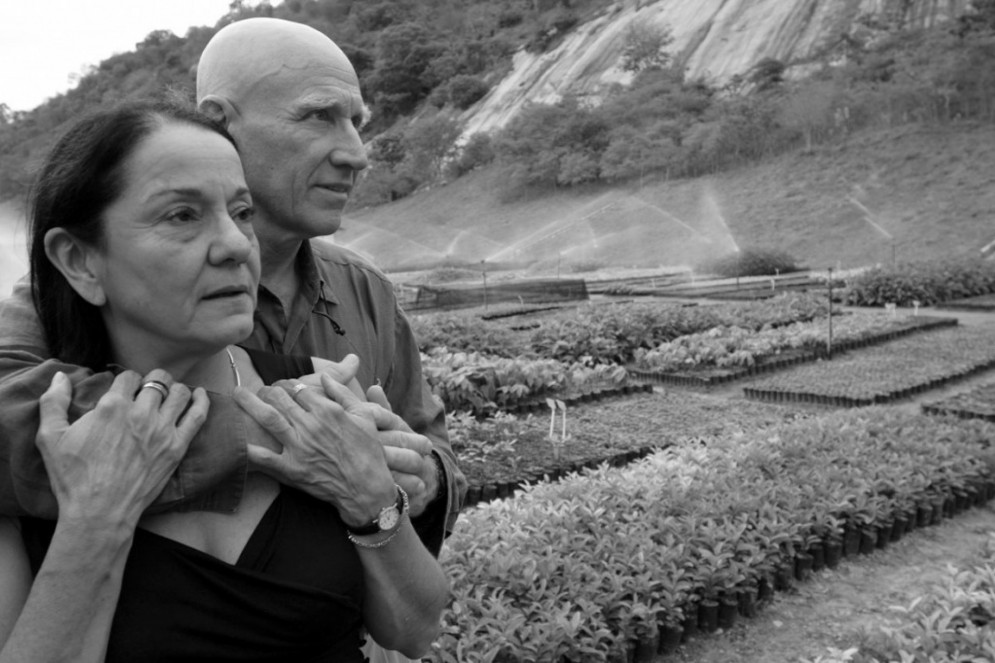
<point>81,177</point>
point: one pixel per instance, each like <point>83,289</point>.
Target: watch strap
<point>373,527</point>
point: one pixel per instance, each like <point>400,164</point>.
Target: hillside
<point>932,188</point>
<point>713,40</point>
<point>890,96</point>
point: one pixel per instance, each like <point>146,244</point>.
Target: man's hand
<point>343,372</point>
<point>330,446</point>
<point>419,480</point>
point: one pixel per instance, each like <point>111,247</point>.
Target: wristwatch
<point>389,518</point>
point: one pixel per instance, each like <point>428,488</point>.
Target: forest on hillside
<point>403,50</point>
<point>422,62</point>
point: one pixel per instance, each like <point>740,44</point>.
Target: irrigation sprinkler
<point>483,272</point>
<point>554,405</point>
<point>829,337</point>
<point>874,224</point>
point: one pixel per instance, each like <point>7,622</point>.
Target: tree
<point>402,57</point>
<point>811,109</point>
<point>644,47</point>
<point>428,142</point>
<point>981,18</point>
<point>388,149</point>
<point>464,91</point>
<point>478,151</point>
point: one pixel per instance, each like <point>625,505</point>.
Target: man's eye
<point>322,114</point>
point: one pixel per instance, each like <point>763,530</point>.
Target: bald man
<point>291,99</point>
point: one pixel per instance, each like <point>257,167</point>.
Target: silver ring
<point>298,388</point>
<point>158,386</point>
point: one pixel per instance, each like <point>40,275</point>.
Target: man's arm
<point>211,476</point>
<point>411,398</point>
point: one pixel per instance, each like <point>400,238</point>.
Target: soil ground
<point>835,607</point>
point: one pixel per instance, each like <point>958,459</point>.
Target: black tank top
<point>295,593</point>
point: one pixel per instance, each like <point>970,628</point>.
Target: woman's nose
<point>233,243</point>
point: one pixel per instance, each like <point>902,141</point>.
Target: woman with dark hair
<point>143,258</point>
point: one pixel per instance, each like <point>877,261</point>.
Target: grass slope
<point>931,188</point>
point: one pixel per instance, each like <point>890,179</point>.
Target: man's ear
<point>77,262</point>
<point>218,108</point>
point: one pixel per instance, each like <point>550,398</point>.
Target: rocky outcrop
<point>713,39</point>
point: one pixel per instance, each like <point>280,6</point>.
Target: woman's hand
<point>114,460</point>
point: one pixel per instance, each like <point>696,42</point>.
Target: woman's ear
<point>77,262</point>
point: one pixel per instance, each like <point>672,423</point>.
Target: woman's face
<point>179,264</point>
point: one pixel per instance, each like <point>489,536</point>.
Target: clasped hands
<point>338,444</point>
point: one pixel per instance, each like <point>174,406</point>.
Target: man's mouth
<point>336,188</point>
<point>226,293</point>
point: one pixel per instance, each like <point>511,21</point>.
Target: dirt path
<point>832,608</point>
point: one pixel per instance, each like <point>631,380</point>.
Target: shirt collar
<point>313,286</point>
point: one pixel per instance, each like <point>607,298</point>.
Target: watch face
<point>388,518</point>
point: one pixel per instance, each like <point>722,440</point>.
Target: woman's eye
<point>243,213</point>
<point>182,215</point>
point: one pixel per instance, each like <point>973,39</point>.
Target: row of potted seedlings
<point>976,403</point>
<point>502,489</point>
<point>620,564</point>
<point>886,373</point>
<point>725,356</point>
<point>584,396</point>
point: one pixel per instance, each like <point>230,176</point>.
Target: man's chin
<point>323,221</point>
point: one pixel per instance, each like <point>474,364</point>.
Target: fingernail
<point>58,377</point>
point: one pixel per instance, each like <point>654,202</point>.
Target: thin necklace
<point>234,368</point>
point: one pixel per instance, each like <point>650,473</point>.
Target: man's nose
<point>349,151</point>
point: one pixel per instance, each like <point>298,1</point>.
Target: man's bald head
<point>291,99</point>
<point>243,56</point>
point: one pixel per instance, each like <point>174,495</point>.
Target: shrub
<point>509,19</point>
<point>928,282</point>
<point>450,274</point>
<point>464,90</point>
<point>478,151</point>
<point>750,262</point>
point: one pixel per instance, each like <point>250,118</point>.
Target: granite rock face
<point>713,39</point>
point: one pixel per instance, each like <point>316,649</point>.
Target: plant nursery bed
<point>615,430</point>
<point>883,373</point>
<point>707,376</point>
<point>976,403</point>
<point>838,608</point>
<point>699,539</point>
